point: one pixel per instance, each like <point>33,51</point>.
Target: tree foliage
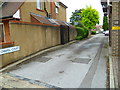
<point>84,20</point>
<point>105,23</point>
<point>76,17</point>
<point>90,17</point>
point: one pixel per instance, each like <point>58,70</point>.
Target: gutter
<point>6,17</point>
<point>63,5</point>
<point>111,78</point>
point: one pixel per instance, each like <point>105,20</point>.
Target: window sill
<point>6,44</point>
<point>39,10</point>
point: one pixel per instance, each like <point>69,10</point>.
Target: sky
<point>79,4</point>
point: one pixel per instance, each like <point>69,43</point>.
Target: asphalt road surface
<point>79,65</point>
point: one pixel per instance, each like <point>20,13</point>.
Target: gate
<point>1,33</point>
<point>64,34</point>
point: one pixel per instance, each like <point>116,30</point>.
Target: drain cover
<point>81,60</point>
<point>60,55</point>
<point>43,59</point>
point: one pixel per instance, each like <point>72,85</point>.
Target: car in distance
<point>103,32</point>
<point>106,33</point>
<point>97,32</point>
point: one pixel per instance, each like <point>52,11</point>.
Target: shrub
<point>86,32</point>
<point>79,38</point>
<point>80,31</point>
<point>93,32</point>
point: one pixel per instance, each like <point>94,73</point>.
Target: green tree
<point>82,31</point>
<point>105,23</point>
<point>90,17</point>
<point>75,18</point>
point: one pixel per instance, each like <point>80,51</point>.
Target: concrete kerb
<point>112,82</point>
<point>38,53</point>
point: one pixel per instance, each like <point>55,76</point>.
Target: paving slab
<point>7,81</point>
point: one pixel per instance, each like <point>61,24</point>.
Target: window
<point>1,33</point>
<point>57,7</point>
<point>56,10</point>
<point>57,4</point>
<point>39,4</point>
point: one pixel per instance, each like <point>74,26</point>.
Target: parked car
<point>106,33</point>
<point>103,32</point>
<point>97,32</point>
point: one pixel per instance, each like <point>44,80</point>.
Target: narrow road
<point>79,65</point>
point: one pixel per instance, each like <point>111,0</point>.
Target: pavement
<point>8,81</point>
<point>79,65</point>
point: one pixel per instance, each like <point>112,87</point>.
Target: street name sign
<point>9,50</point>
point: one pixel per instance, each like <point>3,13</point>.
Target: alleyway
<point>79,65</point>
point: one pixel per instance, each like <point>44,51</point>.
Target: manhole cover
<point>61,71</point>
<point>69,57</point>
<point>43,59</point>
<point>60,55</point>
<point>81,60</point>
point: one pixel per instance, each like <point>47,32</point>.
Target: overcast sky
<point>78,4</point>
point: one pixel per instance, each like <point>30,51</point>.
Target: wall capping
<point>31,23</point>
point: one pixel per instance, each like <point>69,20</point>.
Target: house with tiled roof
<point>27,27</point>
<point>21,10</point>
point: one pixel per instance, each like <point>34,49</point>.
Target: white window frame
<point>39,4</point>
<point>57,10</point>
<point>57,7</point>
<point>57,4</point>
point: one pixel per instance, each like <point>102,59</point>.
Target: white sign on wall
<point>9,50</point>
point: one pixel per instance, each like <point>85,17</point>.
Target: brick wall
<point>115,19</point>
<point>119,49</point>
<point>115,42</point>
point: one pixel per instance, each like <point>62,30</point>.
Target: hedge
<point>93,32</point>
<point>82,32</point>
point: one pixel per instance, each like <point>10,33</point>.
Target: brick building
<point>111,9</point>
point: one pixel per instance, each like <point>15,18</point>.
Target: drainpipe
<point>45,8</point>
<point>108,2</point>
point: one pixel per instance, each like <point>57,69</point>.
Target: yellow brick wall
<point>29,7</point>
<point>61,14</point>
